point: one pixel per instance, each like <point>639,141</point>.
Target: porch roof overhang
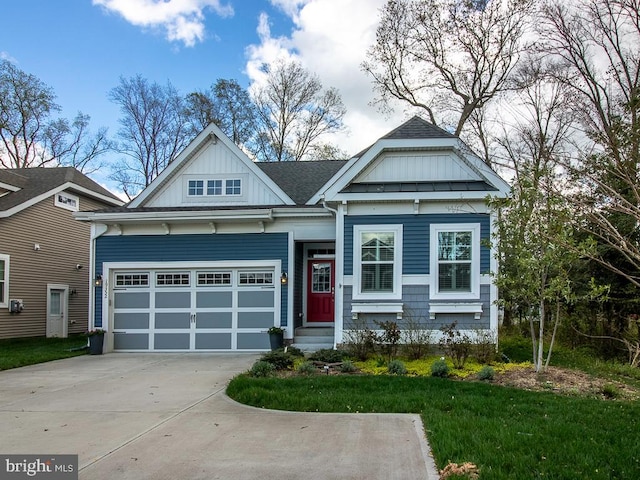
<point>157,215</point>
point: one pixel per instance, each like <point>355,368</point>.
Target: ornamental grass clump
<point>440,369</point>
<point>262,369</point>
<point>487,373</point>
<point>396,367</point>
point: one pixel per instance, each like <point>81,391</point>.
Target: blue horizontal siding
<point>197,248</point>
<point>415,241</point>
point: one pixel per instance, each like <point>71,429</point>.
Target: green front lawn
<point>508,433</point>
<point>19,352</point>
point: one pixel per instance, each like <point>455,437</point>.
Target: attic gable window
<point>233,187</point>
<point>214,187</point>
<point>377,263</point>
<point>196,187</point>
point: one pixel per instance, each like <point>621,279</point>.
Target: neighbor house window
<point>233,187</point>
<point>455,260</point>
<point>196,187</point>
<point>377,261</point>
<point>4,280</point>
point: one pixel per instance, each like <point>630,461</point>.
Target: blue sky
<point>80,48</point>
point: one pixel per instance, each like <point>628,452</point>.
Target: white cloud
<point>182,20</point>
<point>330,38</point>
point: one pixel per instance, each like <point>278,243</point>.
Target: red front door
<point>320,290</point>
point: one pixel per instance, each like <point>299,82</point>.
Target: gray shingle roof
<point>36,181</point>
<point>417,127</point>
<point>301,180</point>
<point>413,128</point>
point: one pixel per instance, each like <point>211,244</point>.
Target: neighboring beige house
<point>44,252</point>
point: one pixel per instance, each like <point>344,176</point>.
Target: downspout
<point>327,207</point>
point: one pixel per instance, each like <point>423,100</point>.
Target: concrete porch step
<point>314,331</point>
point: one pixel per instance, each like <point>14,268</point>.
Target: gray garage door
<point>193,309</point>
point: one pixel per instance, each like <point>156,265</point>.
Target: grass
<point>508,433</point>
<point>20,352</point>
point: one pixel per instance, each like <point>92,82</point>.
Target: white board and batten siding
<point>418,166</point>
<point>216,162</point>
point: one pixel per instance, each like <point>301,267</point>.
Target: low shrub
<point>262,369</point>
<point>328,355</point>
<point>295,351</point>
<point>487,373</point>
<point>280,359</point>
<point>439,368</point>
<point>348,367</point>
<point>307,368</point>
<point>396,367</point>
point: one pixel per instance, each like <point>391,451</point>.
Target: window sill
<point>435,308</point>
<point>357,308</point>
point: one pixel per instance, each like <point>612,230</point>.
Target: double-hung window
<point>377,261</point>
<point>455,260</point>
<point>4,280</point>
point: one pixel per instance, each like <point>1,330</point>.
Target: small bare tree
<point>30,137</point>
<point>294,112</point>
<point>154,130</point>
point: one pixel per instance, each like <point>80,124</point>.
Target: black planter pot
<point>276,340</point>
<point>96,343</point>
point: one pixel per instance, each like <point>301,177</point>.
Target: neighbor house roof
<point>31,184</point>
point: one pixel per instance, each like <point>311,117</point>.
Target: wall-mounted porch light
<point>98,281</point>
<point>283,278</point>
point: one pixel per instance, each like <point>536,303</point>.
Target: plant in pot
<point>276,337</point>
<point>96,341</point>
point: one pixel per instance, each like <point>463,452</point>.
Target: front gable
<point>212,172</point>
<point>416,161</point>
<point>408,166</point>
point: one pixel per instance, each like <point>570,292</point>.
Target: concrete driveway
<point>165,416</point>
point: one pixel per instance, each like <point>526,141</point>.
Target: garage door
<point>193,309</point>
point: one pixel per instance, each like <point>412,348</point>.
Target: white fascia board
<point>90,193</point>
<point>8,186</point>
<point>209,134</point>
<point>412,196</point>
<point>474,161</point>
<point>53,191</point>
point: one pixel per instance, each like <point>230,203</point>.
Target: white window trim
<point>6,259</point>
<point>396,294</point>
<point>205,187</point>
<point>62,199</point>
<point>474,228</point>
